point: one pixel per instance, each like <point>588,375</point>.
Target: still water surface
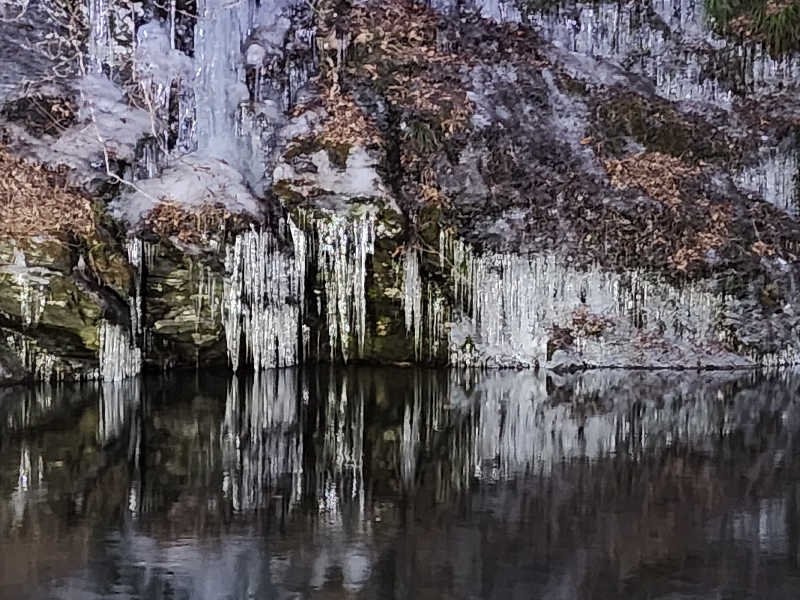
<point>370,483</point>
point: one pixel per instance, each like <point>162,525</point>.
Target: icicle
<point>512,303</point>
<point>135,258</point>
<point>262,303</point>
<point>33,292</point>
<point>119,358</point>
<point>100,40</point>
<point>412,298</point>
<point>773,178</point>
<point>42,365</point>
<point>436,315</point>
<point>344,245</point>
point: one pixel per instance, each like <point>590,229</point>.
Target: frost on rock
<point>512,308</point>
<point>262,302</point>
<point>119,357</point>
<point>191,182</point>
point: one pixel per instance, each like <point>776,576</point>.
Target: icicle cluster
<point>773,178</point>
<point>135,248</point>
<point>412,298</point>
<point>622,32</point>
<point>33,289</point>
<point>42,365</point>
<point>119,357</point>
<point>511,303</point>
<point>342,250</point>
<point>262,301</point>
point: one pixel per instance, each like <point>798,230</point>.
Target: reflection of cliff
<point>406,483</point>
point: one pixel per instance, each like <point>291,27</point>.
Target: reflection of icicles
<point>262,303</point>
<point>412,299</point>
<point>117,403</point>
<point>340,471</point>
<point>409,445</point>
<point>262,445</point>
<point>523,422</point>
<point>119,357</point>
<point>342,259</point>
<point>774,178</point>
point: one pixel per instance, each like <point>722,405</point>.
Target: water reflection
<point>403,484</point>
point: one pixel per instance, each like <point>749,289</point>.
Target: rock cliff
<point>478,183</point>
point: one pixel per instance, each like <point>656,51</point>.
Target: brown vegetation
<point>658,175</point>
<point>36,201</point>
<point>190,225</point>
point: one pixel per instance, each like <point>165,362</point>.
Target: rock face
<point>485,183</point>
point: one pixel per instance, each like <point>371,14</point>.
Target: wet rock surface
<point>485,183</point>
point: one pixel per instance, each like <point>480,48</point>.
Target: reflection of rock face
<point>357,476</point>
<point>492,182</point>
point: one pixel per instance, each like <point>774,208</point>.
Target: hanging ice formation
<point>261,301</point>
<point>774,177</point>
<point>412,298</point>
<point>264,290</point>
<point>40,363</point>
<point>509,305</point>
<point>343,245</point>
<point>135,248</point>
<point>627,34</point>
<point>119,357</point>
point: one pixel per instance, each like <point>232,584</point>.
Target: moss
<point>422,136</point>
<point>776,23</point>
<point>657,126</point>
<point>337,153</point>
<point>287,194</point>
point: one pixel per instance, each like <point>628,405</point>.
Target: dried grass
<point>660,176</point>
<point>190,225</point>
<point>36,201</point>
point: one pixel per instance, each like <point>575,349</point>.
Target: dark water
<point>403,484</point>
